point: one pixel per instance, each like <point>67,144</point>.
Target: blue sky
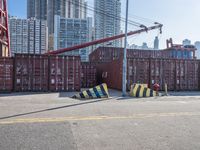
<point>181,18</point>
<point>17,8</point>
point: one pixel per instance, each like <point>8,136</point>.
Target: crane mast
<point>100,41</point>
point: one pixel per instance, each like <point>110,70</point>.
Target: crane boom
<point>83,45</point>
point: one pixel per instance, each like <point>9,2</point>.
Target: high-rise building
<point>70,32</point>
<point>107,19</point>
<point>37,9</point>
<point>30,8</point>
<point>27,36</point>
<point>156,43</point>
<point>65,9</point>
<point>197,45</point>
<point>18,35</point>
<point>144,46</point>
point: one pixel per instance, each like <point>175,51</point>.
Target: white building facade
<point>66,9</point>
<point>197,45</point>
<point>28,36</point>
<point>69,32</point>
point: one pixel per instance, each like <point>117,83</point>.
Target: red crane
<point>4,34</point>
<point>144,29</point>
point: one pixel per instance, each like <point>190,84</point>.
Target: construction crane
<point>4,35</point>
<point>100,41</point>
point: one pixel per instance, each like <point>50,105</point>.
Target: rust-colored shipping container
<point>110,73</point>
<point>187,75</point>
<point>105,54</point>
<point>31,73</point>
<point>40,73</point>
<point>88,75</point>
<point>65,73</point>
<point>178,74</point>
<point>108,54</point>
<point>6,74</point>
<point>168,74</point>
<point>162,71</point>
<point>137,71</point>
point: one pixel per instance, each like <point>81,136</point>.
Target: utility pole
<point>125,51</point>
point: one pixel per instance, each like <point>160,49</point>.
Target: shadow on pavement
<point>67,94</point>
<point>185,93</point>
<point>51,109</point>
<point>21,94</point>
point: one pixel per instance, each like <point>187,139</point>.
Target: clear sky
<point>181,18</point>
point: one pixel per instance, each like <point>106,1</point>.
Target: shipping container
<point>178,74</point>
<point>138,71</point>
<point>40,73</point>
<point>108,54</point>
<point>105,54</point>
<point>31,73</point>
<point>65,73</point>
<point>6,74</point>
<point>187,75</point>
<point>88,75</point>
<point>167,74</point>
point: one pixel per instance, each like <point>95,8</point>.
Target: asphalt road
<point>56,122</point>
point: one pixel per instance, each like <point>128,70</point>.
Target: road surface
<point>55,122</point>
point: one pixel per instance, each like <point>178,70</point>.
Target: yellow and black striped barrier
<point>100,91</point>
<point>139,90</point>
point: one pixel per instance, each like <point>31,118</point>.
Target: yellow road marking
<point>89,118</point>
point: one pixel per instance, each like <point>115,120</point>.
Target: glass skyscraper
<point>37,9</point>
<point>107,19</point>
<point>69,32</point>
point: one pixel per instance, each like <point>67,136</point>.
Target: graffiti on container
<point>52,81</point>
<point>104,74</point>
<point>55,70</point>
<point>21,69</point>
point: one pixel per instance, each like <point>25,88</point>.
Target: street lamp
<point>124,81</point>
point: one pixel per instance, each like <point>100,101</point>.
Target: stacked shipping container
<point>66,73</point>
<point>107,54</point>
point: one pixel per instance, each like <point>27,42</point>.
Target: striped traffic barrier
<point>100,91</point>
<point>141,91</point>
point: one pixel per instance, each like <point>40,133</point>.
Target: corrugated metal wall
<point>88,75</point>
<point>6,74</point>
<point>178,74</point>
<point>65,73</point>
<point>40,73</point>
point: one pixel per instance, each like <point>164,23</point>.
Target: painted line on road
<point>90,118</point>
